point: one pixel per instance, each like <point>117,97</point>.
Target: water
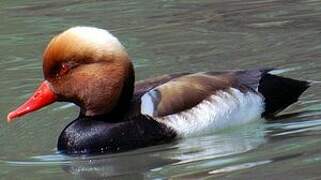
<point>165,37</point>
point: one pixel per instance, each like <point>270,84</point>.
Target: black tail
<point>280,92</point>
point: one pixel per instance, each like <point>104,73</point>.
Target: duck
<point>89,67</point>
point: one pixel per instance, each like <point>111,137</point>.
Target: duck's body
<point>230,98</point>
<point>118,114</point>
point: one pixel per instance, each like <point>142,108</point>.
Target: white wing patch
<point>224,109</point>
<point>147,105</point>
<point>148,101</point>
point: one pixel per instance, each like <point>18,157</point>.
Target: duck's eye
<point>63,69</point>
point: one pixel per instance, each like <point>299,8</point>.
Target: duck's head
<point>87,66</point>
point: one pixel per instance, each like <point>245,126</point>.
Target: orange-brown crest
<point>90,67</point>
<point>81,45</point>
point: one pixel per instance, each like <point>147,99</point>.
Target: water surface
<point>165,37</point>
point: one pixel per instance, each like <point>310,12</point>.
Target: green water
<point>164,37</point>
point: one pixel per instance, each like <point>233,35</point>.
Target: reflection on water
<point>165,37</point>
<point>152,162</point>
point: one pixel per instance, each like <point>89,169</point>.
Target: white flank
<point>224,109</point>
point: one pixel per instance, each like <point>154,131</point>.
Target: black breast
<point>84,136</point>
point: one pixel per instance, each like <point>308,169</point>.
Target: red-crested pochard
<point>89,67</point>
